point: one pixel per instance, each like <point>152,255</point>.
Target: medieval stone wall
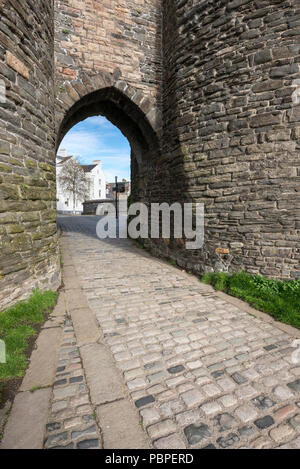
<point>118,41</point>
<point>231,129</point>
<point>109,61</point>
<point>121,37</point>
<point>207,93</point>
<point>28,239</point>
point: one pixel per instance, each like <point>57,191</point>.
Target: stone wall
<point>119,42</point>
<point>28,239</point>
<point>121,37</point>
<point>93,207</point>
<point>109,61</point>
<point>207,93</point>
<point>231,130</point>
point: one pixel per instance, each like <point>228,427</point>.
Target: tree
<point>73,180</point>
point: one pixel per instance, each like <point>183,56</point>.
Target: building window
<point>67,203</point>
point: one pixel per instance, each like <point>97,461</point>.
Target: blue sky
<point>96,138</point>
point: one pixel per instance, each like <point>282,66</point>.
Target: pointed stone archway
<point>122,105</point>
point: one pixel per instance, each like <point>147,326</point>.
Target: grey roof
<point>64,159</point>
<point>88,167</point>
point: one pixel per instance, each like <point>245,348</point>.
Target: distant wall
<point>91,207</point>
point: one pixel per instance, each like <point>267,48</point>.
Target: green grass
<point>35,388</point>
<point>279,299</point>
<point>17,326</point>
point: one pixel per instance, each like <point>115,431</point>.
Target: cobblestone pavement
<point>201,372</point>
<point>72,420</point>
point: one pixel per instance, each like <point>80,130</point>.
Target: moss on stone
<point>15,162</point>
<point>7,218</point>
<point>9,192</point>
<point>46,167</point>
<point>19,243</point>
<point>30,217</point>
<point>30,164</point>
<point>4,168</point>
<point>16,228</point>
<point>4,150</point>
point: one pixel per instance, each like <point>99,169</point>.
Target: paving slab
<point>26,424</point>
<point>121,427</point>
<point>43,360</point>
<point>72,283</point>
<point>103,378</point>
<point>86,327</point>
<point>60,308</point>
<point>75,299</point>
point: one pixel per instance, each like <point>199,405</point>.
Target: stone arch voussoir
<point>72,91</point>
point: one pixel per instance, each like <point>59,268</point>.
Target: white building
<point>97,186</point>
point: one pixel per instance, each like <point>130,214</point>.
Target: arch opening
<point>122,112</point>
<point>91,155</point>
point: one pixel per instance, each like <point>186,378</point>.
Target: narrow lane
<point>200,371</point>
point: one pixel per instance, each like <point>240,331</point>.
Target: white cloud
<point>89,144</point>
<point>77,143</point>
<point>101,121</point>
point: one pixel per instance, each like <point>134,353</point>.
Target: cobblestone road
<point>200,371</point>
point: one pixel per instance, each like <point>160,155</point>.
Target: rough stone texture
<point>109,62</point>
<point>229,134</point>
<point>92,406</point>
<point>28,240</point>
<point>123,42</point>
<point>121,426</point>
<point>231,131</point>
<point>71,421</point>
<point>170,442</point>
<point>211,116</point>
<point>147,314</point>
<point>85,326</point>
<point>43,360</point>
<point>102,375</point>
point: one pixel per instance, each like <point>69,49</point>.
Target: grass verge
<point>19,326</point>
<point>279,299</point>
